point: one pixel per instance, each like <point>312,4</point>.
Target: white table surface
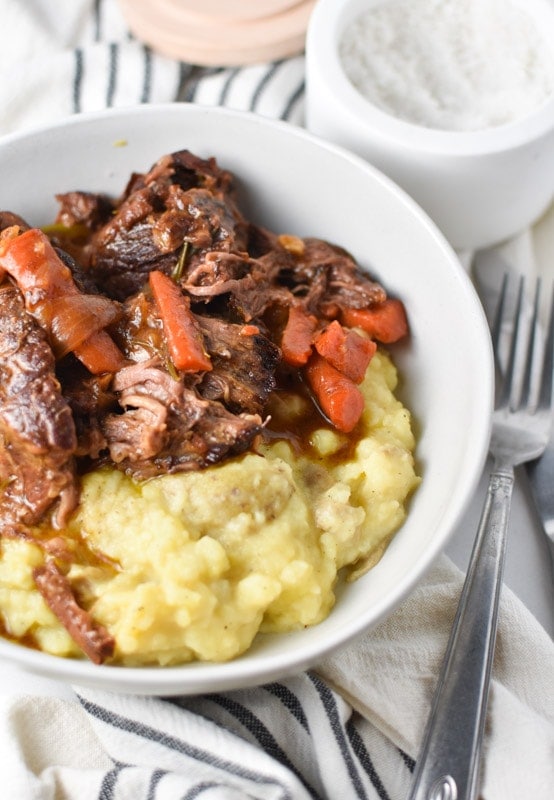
<point>528,570</point>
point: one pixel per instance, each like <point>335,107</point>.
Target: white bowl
<point>480,187</point>
<point>295,183</point>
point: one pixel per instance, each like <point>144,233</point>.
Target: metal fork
<point>448,764</point>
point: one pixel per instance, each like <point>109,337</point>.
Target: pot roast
<point>93,371</point>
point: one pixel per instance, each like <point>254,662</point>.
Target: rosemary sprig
<point>177,273</point>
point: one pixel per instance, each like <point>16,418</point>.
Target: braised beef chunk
<point>93,639</point>
<point>90,398</point>
<point>243,374</point>
<point>194,436</point>
<point>8,218</point>
<point>326,275</point>
<point>83,209</point>
<point>82,278</point>
<point>37,432</point>
<point>182,200</point>
<point>123,252</point>
<point>166,427</point>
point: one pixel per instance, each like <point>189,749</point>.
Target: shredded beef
<point>250,285</point>
<point>84,209</point>
<point>242,377</point>
<point>90,398</point>
<point>325,275</point>
<point>37,431</point>
<point>166,427</point>
<point>243,374</point>
<point>93,639</point>
<point>183,199</point>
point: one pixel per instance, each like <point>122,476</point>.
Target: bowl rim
<point>324,31</point>
<point>199,677</point>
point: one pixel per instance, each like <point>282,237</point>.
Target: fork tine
<point>496,328</point>
<point>547,384</point>
<point>507,388</point>
<point>532,342</point>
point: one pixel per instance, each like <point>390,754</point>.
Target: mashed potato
<point>193,565</point>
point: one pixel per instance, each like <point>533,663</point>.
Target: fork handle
<point>448,764</point>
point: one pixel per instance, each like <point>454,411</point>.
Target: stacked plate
<point>220,32</point>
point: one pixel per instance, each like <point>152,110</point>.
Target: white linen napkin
<point>351,727</point>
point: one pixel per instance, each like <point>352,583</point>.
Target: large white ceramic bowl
<point>481,186</point>
<point>295,183</point>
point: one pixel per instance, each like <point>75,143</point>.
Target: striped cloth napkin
<point>76,56</point>
<point>351,727</point>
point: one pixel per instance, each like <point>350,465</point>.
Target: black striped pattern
<point>296,738</point>
<point>111,68</point>
<point>224,772</point>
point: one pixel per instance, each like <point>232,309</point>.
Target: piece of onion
<point>71,319</point>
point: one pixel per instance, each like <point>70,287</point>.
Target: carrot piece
<point>36,267</point>
<point>338,397</point>
<point>345,350</point>
<point>249,330</point>
<point>182,333</point>
<point>296,342</point>
<point>100,354</point>
<point>42,276</point>
<point>386,322</point>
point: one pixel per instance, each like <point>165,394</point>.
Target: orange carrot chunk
<point>345,350</point>
<point>100,354</point>
<point>386,322</point>
<point>34,264</point>
<point>183,336</point>
<point>296,342</point>
<point>337,396</point>
<point>249,330</point>
<point>46,283</point>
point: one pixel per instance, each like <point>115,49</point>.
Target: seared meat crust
<point>37,432</point>
<point>183,199</point>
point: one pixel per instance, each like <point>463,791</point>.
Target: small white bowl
<point>288,180</point>
<point>480,187</point>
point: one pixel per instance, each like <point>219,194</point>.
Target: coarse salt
<point>459,65</point>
